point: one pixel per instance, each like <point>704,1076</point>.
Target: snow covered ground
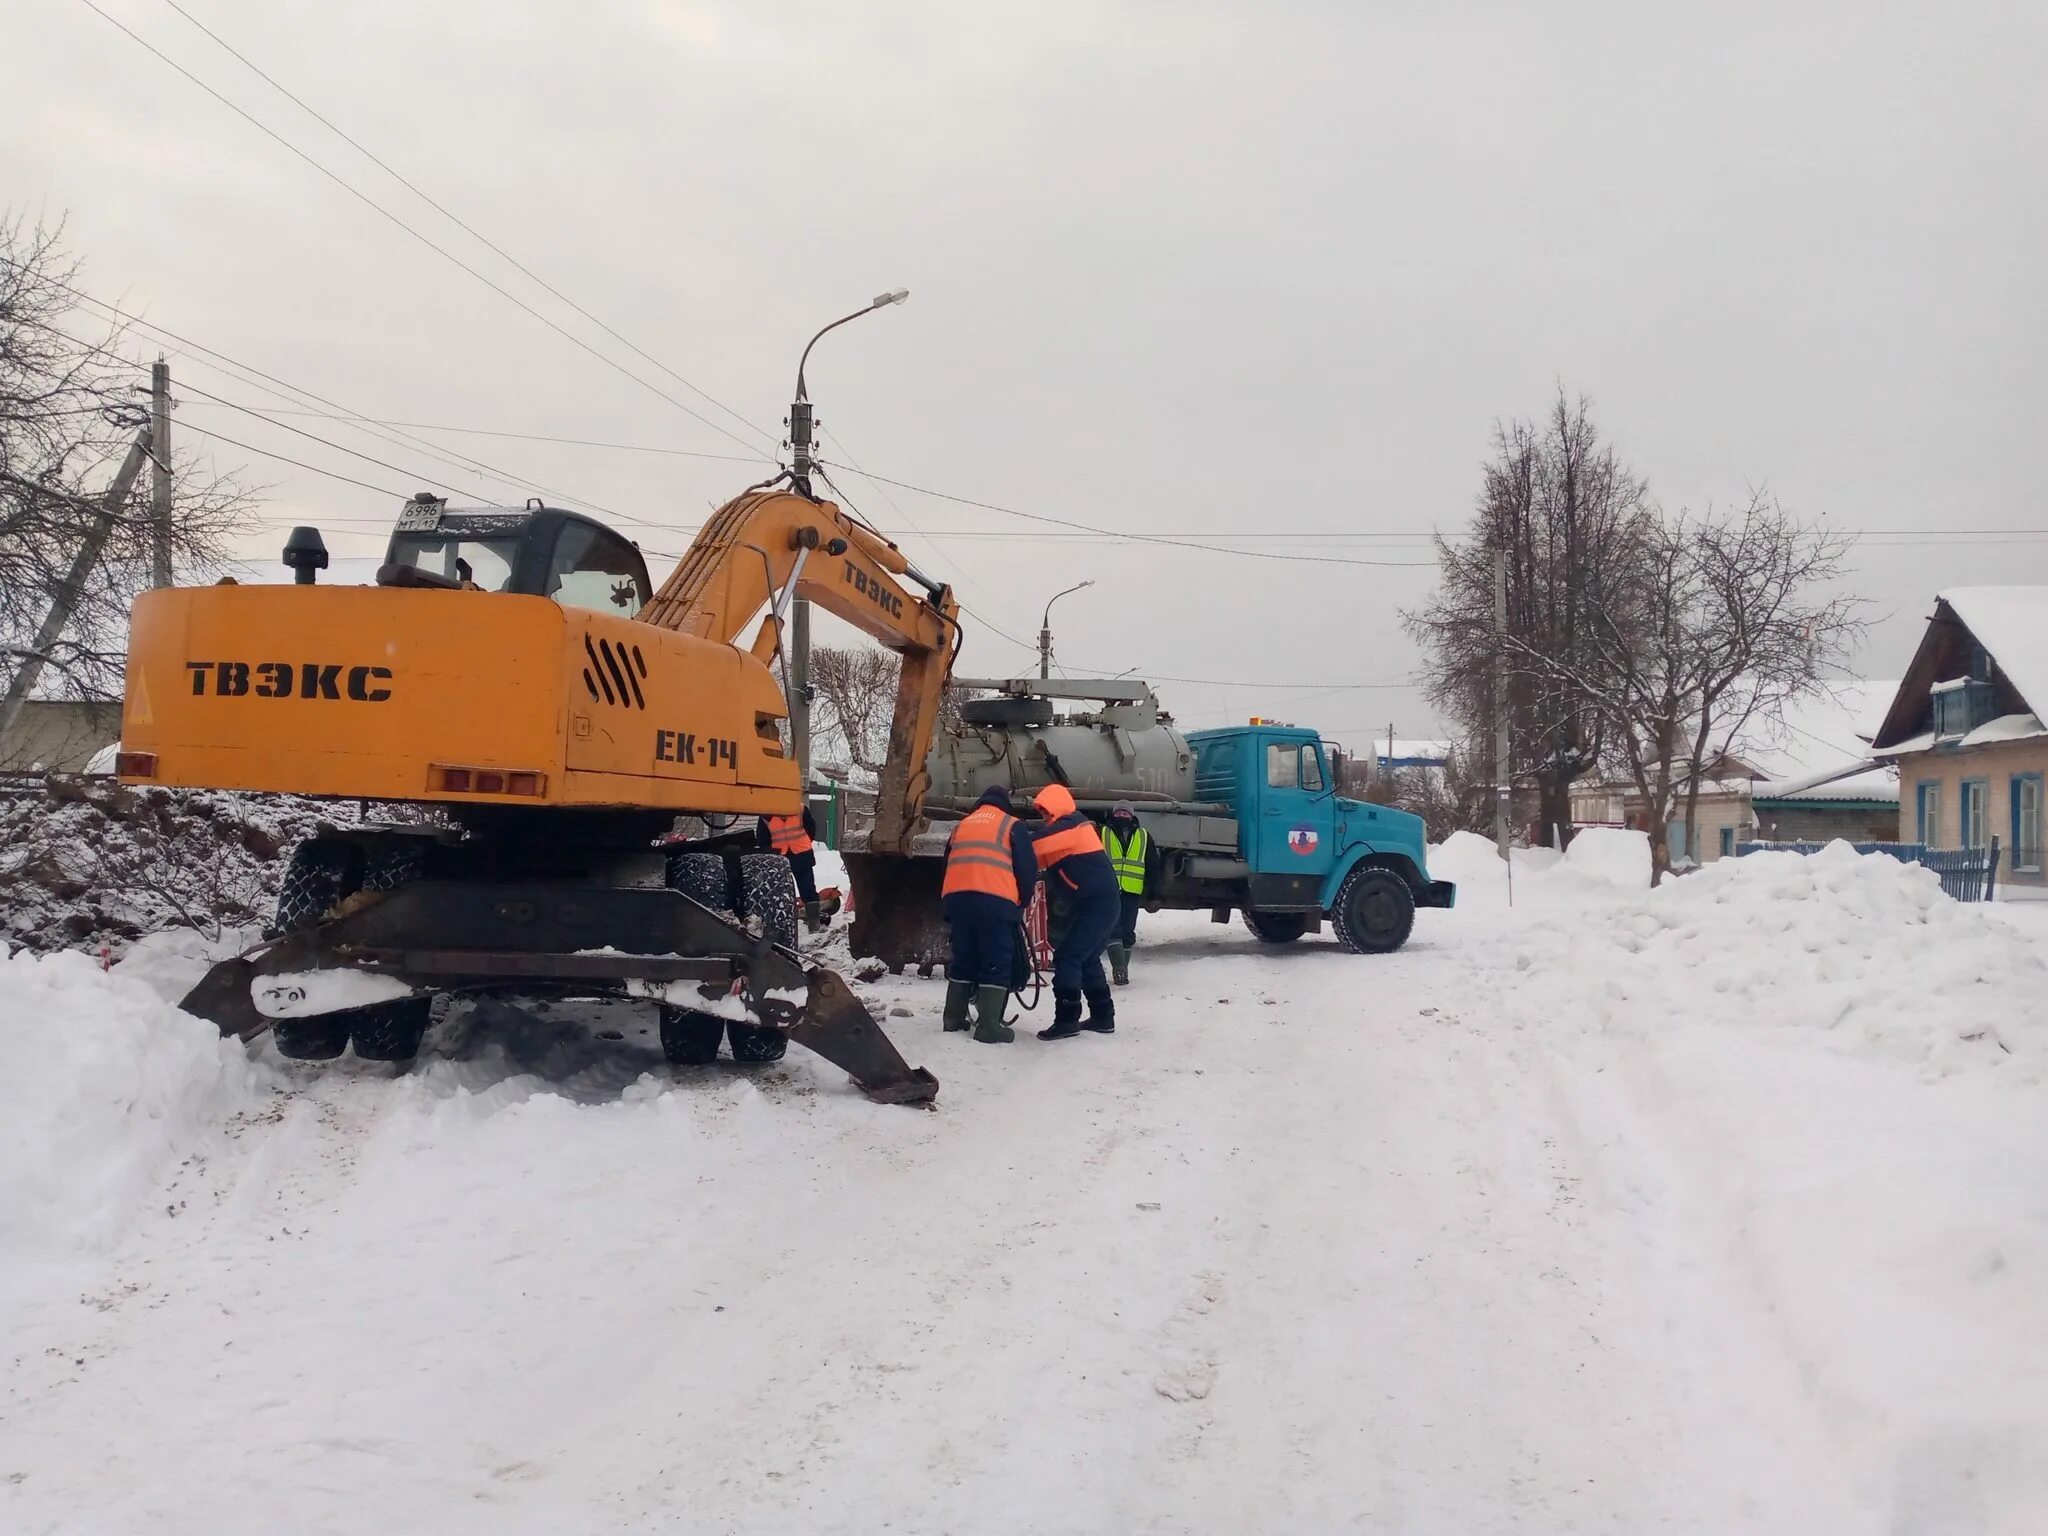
<point>1720,1209</point>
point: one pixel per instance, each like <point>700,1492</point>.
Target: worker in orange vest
<point>1083,907</point>
<point>990,871</point>
<point>791,837</point>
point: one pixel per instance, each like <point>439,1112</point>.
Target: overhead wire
<point>459,223</point>
<point>383,212</point>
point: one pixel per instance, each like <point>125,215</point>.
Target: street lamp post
<point>1045,631</point>
<point>800,477</point>
<point>800,408</point>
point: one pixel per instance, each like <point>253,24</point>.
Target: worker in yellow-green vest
<point>1129,847</point>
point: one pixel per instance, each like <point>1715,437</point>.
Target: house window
<point>1970,812</point>
<point>2026,822</point>
<point>1929,800</point>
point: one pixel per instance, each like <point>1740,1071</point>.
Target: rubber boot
<point>814,920</point>
<point>958,995</point>
<point>1119,964</point>
<point>990,1004</point>
<point>1066,1018</point>
<point>1101,1013</point>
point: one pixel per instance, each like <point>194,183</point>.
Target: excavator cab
<point>539,550</point>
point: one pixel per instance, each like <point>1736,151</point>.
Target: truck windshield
<point>487,562</point>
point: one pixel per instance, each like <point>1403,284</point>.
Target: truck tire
<point>689,1038</point>
<point>767,892</point>
<point>1276,927</point>
<point>1375,911</point>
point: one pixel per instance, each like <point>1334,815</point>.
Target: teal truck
<point>1243,820</point>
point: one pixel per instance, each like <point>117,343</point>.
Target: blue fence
<point>1967,874</point>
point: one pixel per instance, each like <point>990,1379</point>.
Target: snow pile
<point>102,1086</point>
<point>1600,862</point>
<point>86,863</point>
<point>1861,947</point>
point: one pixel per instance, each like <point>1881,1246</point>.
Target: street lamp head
<point>896,296</point>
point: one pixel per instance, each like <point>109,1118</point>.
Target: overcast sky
<point>1178,269</point>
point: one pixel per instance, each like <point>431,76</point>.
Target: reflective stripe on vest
<point>1065,843</point>
<point>787,834</point>
<point>1127,859</point>
<point>978,858</point>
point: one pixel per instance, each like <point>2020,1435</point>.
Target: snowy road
<point>1315,1243</point>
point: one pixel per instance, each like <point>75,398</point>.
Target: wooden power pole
<point>1500,700</point>
<point>23,683</point>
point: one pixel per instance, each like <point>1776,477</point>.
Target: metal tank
<point>1106,741</point>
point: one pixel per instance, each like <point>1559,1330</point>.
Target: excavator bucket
<point>567,939</point>
<point>896,914</point>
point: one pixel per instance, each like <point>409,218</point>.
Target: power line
<point>542,437</point>
<point>265,453</point>
<point>386,213</point>
<point>1150,538</point>
<point>474,234</point>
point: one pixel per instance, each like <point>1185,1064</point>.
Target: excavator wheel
<point>322,874</point>
<point>767,891</point>
<point>690,1038</point>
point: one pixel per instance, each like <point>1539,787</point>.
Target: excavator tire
<point>1276,927</point>
<point>690,1038</point>
<point>323,873</point>
<point>767,891</point>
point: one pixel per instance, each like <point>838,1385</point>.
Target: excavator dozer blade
<point>896,914</point>
<point>225,995</point>
<point>837,1026</point>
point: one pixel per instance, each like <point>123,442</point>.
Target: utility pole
<point>1500,700</point>
<point>800,690</point>
<point>160,473</point>
<point>32,659</point>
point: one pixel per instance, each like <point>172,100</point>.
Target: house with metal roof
<point>1965,732</point>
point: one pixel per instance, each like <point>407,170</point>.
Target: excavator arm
<point>764,548</point>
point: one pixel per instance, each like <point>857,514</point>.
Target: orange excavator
<point>513,670</point>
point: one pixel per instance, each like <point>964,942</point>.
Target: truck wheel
<point>690,1038</point>
<point>1375,911</point>
<point>767,891</point>
<point>321,875</point>
<point>389,1031</point>
<point>1276,927</point>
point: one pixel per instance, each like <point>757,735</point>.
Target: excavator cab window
<point>592,567</point>
<point>489,563</point>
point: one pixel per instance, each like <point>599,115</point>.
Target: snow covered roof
<point>2012,624</point>
<point>1819,737</point>
<point>2004,728</point>
<point>1409,751</point>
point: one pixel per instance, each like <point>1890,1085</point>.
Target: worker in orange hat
<point>1084,905</point>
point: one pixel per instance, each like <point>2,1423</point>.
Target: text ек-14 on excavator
<point>514,669</point>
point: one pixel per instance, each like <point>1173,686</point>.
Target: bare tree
<point>1570,518</point>
<point>1721,619</point>
<point>856,701</point>
<point>69,406</point>
<point>1447,799</point>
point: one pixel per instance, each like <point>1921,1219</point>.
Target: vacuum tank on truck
<point>1245,819</point>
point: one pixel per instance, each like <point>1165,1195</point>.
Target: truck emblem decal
<point>1302,839</point>
<point>689,747</point>
<point>284,679</point>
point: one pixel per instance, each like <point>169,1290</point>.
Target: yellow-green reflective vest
<point>1127,859</point>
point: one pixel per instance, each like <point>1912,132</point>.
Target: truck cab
<point>1308,852</point>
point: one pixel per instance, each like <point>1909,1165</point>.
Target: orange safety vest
<point>978,857</point>
<point>1064,844</point>
<point>788,836</point>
